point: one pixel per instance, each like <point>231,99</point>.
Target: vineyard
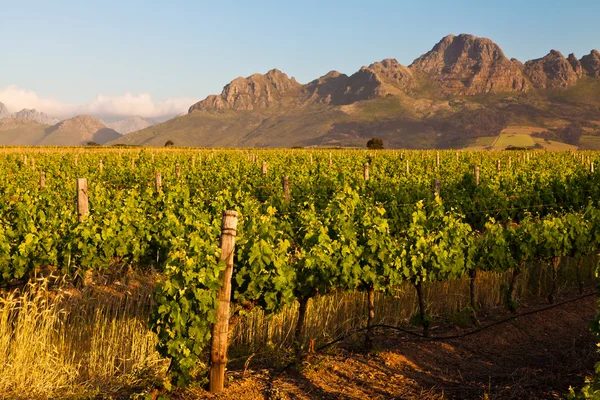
<point>394,236</point>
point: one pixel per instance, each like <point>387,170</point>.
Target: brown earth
<point>532,357</point>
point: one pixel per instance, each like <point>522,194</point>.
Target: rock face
<point>551,71</point>
<point>468,65</point>
<point>576,65</point>
<point>457,65</point>
<point>257,91</point>
<point>4,112</point>
<point>79,131</point>
<point>591,64</point>
<point>35,116</point>
<point>131,124</point>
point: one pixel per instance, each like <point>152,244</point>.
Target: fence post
<point>286,189</point>
<point>218,353</point>
<point>132,162</point>
<point>407,168</point>
<point>366,171</point>
<point>264,168</point>
<point>158,182</point>
<point>477,175</point>
<point>177,171</point>
<point>83,209</point>
<point>42,180</point>
<point>498,165</point>
<point>100,166</point>
<point>437,159</point>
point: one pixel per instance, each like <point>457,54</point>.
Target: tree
<point>169,143</point>
<point>92,144</point>
<point>375,144</point>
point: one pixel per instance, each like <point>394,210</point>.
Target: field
<point>337,260</point>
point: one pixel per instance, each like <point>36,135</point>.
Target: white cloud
<point>105,107</point>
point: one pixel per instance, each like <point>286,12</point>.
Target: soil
<point>537,356</point>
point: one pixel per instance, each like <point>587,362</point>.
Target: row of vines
<point>350,220</point>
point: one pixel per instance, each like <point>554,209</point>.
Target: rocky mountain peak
<point>576,65</point>
<point>35,116</point>
<point>468,65</point>
<point>551,71</point>
<point>254,92</point>
<point>4,112</point>
<point>591,64</point>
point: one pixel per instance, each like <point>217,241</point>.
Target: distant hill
<point>4,113</point>
<point>35,116</point>
<point>464,92</point>
<point>72,132</point>
<point>131,124</point>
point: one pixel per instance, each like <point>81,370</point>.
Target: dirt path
<point>533,357</point>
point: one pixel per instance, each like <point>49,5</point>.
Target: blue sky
<point>73,51</point>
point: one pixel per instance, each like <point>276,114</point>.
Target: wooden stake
<point>132,162</point>
<point>158,182</point>
<point>366,171</point>
<point>218,353</point>
<point>286,188</point>
<point>76,160</point>
<point>32,163</point>
<point>82,199</point>
<point>100,166</point>
<point>476,175</point>
<point>177,171</point>
<point>193,162</point>
<point>42,180</point>
<point>509,162</point>
<point>592,167</point>
<point>407,168</point>
<point>437,159</point>
<point>263,169</point>
<point>457,156</point>
<point>436,187</point>
<point>498,165</point>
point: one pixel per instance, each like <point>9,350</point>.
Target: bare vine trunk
<point>301,317</point>
<point>473,288</point>
<point>511,301</point>
<point>579,278</point>
<point>370,318</point>
<point>555,263</point>
<point>422,312</point>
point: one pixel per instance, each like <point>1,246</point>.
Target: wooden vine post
<point>132,162</point>
<point>498,165</point>
<point>436,187</point>
<point>366,171</point>
<point>218,353</point>
<point>100,166</point>
<point>264,168</point>
<point>592,167</point>
<point>177,171</point>
<point>286,188</point>
<point>83,208</point>
<point>437,159</point>
<point>407,168</point>
<point>158,182</point>
<point>476,175</point>
<point>42,180</point>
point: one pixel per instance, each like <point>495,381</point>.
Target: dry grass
<point>63,342</point>
<point>70,343</point>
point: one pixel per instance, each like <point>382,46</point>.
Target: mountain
<point>4,112</point>
<point>463,92</point>
<point>131,124</point>
<point>78,131</point>
<point>20,132</point>
<point>35,116</point>
<point>469,65</point>
<point>72,132</point>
